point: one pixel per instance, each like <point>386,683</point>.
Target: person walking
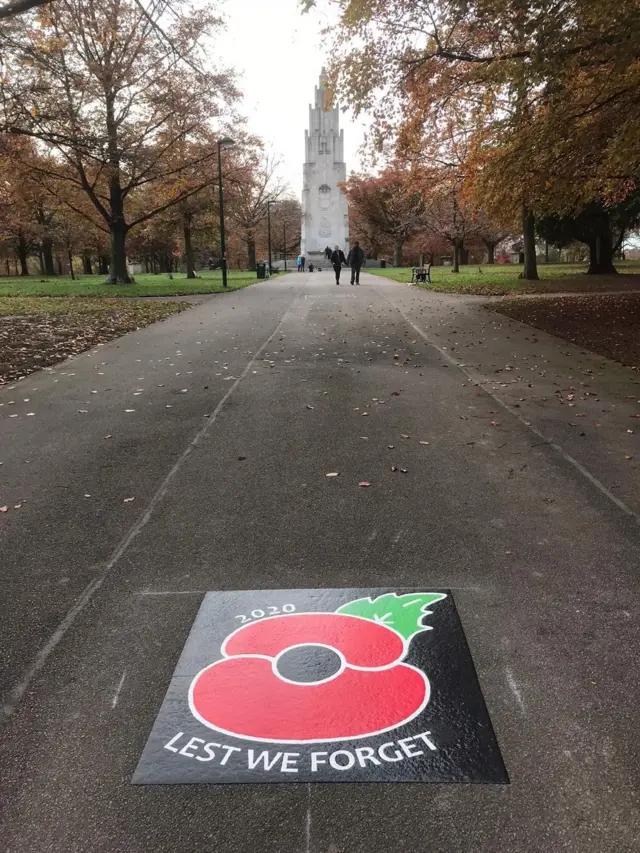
<point>337,260</point>
<point>303,261</point>
<point>299,263</point>
<point>355,260</point>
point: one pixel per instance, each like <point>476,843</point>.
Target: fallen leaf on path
<point>107,436</point>
<point>310,408</point>
<point>128,500</point>
<point>395,393</point>
<point>4,509</point>
<point>364,484</point>
<point>424,442</point>
<point>628,457</point>
<point>404,435</point>
<point>31,414</point>
<point>333,474</point>
<point>495,423</point>
<point>129,410</point>
<point>365,414</point>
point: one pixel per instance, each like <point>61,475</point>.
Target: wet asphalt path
<point>240,407</point>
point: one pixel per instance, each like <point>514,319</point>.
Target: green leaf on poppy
<point>403,613</point>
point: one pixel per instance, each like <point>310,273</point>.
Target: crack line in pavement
<point>474,377</point>
<point>515,690</point>
<point>42,656</point>
<point>308,822</point>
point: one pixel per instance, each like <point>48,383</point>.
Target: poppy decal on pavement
<point>293,676</point>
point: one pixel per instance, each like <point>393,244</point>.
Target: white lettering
<point>397,755</point>
<point>253,761</point>
<point>427,740</point>
<point>287,759</point>
<point>229,749</point>
<point>170,745</point>
<point>405,744</point>
<point>333,760</point>
<point>315,760</point>
<point>366,753</point>
<point>191,745</point>
<point>207,748</point>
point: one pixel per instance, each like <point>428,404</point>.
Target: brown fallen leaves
<point>39,331</point>
<point>605,323</point>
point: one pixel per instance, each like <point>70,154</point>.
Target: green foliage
<point>403,613</point>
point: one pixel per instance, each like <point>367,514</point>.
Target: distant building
<point>325,212</point>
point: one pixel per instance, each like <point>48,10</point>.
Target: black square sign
<point>324,685</point>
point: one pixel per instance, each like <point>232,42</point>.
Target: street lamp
<point>225,142</point>
<point>284,242</point>
<point>269,203</point>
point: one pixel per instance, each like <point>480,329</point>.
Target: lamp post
<point>269,203</point>
<point>284,242</point>
<point>225,142</point>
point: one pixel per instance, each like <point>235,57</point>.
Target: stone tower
<point>325,213</point>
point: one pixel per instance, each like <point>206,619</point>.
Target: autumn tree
<point>114,88</point>
<point>549,91</point>
<point>286,226</point>
<point>392,204</point>
<point>254,183</point>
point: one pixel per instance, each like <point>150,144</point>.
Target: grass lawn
<point>145,285</point>
<point>36,332</point>
<point>500,279</point>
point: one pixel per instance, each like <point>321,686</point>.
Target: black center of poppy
<point>308,663</point>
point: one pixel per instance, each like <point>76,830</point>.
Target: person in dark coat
<point>337,260</point>
<point>328,253</point>
<point>355,260</point>
<point>303,261</point>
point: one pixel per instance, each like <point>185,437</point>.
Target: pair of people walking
<point>355,260</point>
<point>301,262</point>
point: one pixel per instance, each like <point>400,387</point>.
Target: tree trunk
<point>251,252</point>
<point>86,264</point>
<point>21,252</point>
<point>397,253</point>
<point>47,254</point>
<point>59,260</point>
<point>456,256</point>
<point>6,260</point>
<point>530,271</point>
<point>491,251</point>
<point>118,273</point>
<point>73,275</point>
<point>546,252</point>
<point>601,252</point>
<point>41,261</point>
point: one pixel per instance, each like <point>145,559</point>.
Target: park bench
<point>421,275</point>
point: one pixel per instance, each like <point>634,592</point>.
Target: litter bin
<point>261,270</point>
<point>383,265</point>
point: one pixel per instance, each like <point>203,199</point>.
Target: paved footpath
<point>222,423</point>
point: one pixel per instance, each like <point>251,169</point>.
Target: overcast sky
<point>279,54</point>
